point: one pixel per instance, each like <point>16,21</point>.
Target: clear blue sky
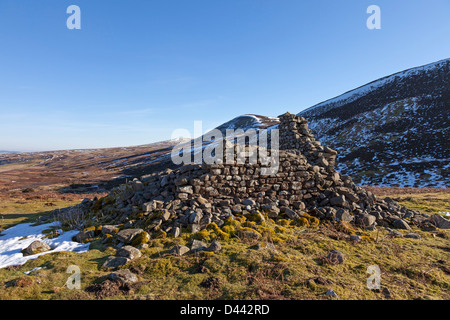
<point>137,70</point>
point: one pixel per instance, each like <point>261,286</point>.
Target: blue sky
<point>137,70</point>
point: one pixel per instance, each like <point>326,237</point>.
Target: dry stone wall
<point>306,184</point>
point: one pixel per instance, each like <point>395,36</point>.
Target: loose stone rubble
<point>306,189</point>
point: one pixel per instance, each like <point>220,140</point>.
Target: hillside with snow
<point>393,131</point>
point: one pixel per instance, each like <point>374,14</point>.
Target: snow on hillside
<point>393,131</point>
<point>16,238</point>
<point>359,92</point>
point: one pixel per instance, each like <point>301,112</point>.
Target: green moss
<point>313,222</point>
<point>249,233</point>
<point>256,217</point>
<point>368,238</point>
<point>140,239</point>
<point>279,258</point>
<point>249,224</point>
<point>284,222</point>
<point>203,235</point>
<point>228,229</point>
<point>345,227</point>
<point>160,235</point>
<point>303,222</point>
<point>279,229</point>
<point>108,238</point>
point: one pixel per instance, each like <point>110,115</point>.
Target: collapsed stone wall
<point>306,184</point>
<point>295,134</point>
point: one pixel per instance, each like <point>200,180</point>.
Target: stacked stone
<point>295,134</point>
<point>195,195</point>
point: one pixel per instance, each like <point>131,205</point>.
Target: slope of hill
<point>393,131</point>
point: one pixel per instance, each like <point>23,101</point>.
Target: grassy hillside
<point>293,268</point>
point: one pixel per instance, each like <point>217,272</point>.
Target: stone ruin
<point>306,186</point>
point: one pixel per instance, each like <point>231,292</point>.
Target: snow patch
<point>16,238</point>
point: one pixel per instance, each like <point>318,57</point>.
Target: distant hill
<point>393,131</point>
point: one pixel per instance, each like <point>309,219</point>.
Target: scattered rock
<point>123,276</point>
<point>366,220</point>
<point>179,250</point>
<point>332,294</point>
<point>440,222</point>
<point>198,246</point>
<point>109,229</point>
<point>84,236</point>
<point>272,211</point>
<point>127,235</point>
<point>394,233</point>
<point>338,201</point>
<point>291,214</point>
<point>176,232</point>
<point>401,224</point>
<point>129,252</point>
<point>36,247</point>
<point>387,294</point>
<point>215,246</point>
<point>344,215</point>
<point>115,262</point>
<point>413,236</point>
<point>334,257</point>
<point>249,202</point>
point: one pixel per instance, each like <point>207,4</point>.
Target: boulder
<point>413,236</point>
<point>84,236</point>
<point>36,247</point>
<point>115,262</point>
<point>129,252</point>
<point>272,211</point>
<point>332,294</point>
<point>334,257</point>
<point>440,222</point>
<point>338,201</point>
<point>110,229</point>
<point>249,202</point>
<point>344,215</point>
<point>123,276</point>
<point>198,246</point>
<point>127,235</point>
<point>215,246</point>
<point>195,217</point>
<point>400,224</point>
<point>366,220</point>
<point>291,214</point>
<point>394,233</point>
<point>179,250</point>
<point>176,232</point>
